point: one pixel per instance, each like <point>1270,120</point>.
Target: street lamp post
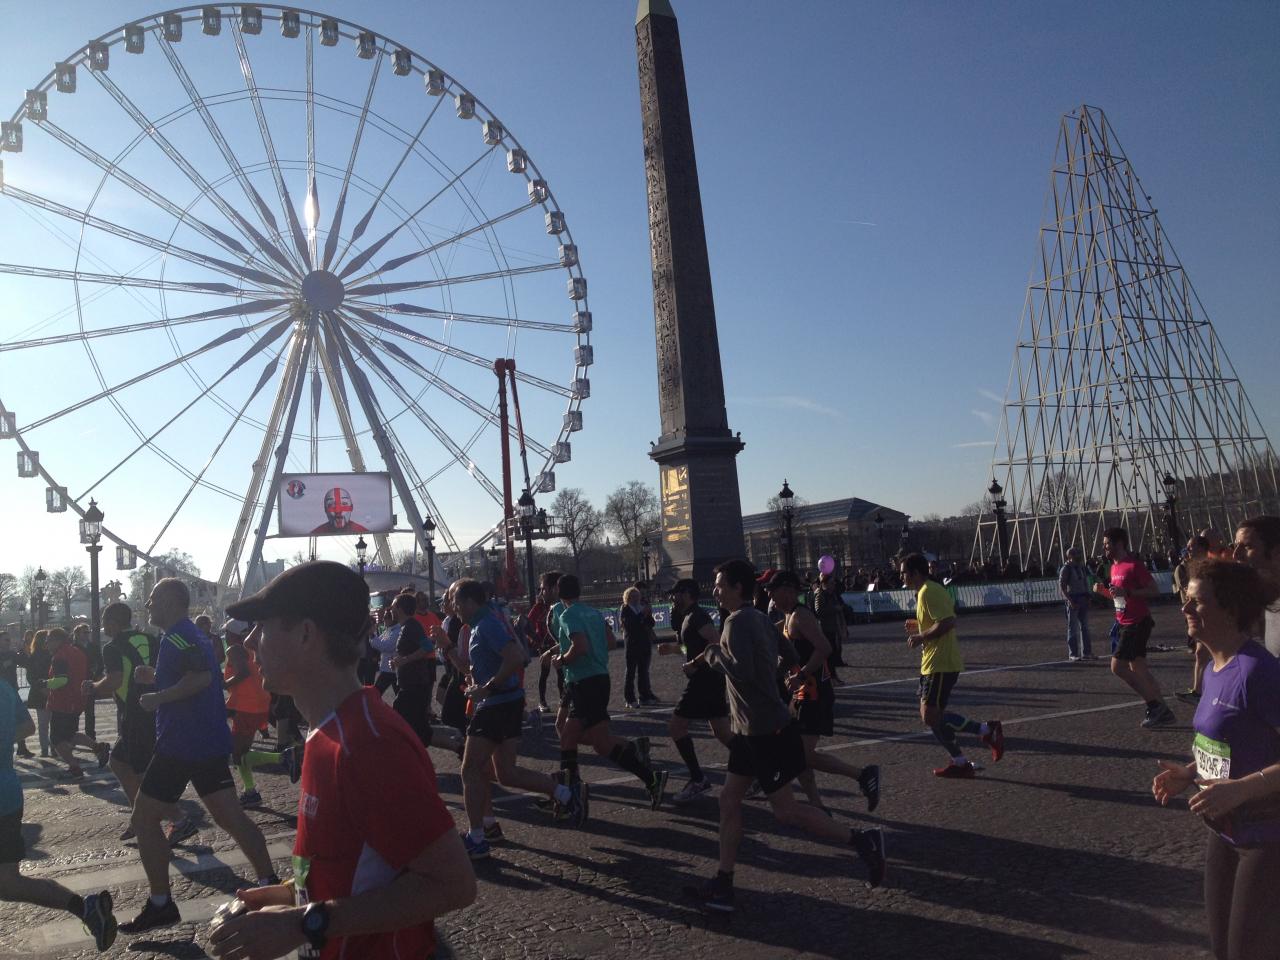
<point>1170,510</point>
<point>38,614</point>
<point>879,522</point>
<point>362,554</point>
<point>646,547</point>
<point>998,505</point>
<point>785,496</point>
<point>90,535</point>
<point>429,534</point>
<point>528,513</point>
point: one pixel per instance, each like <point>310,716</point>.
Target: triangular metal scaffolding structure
<point>1120,392</point>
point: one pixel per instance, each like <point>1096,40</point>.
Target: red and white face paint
<point>338,507</point>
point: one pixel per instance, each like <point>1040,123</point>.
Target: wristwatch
<point>315,924</point>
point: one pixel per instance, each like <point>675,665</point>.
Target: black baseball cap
<point>687,585</point>
<point>332,595</point>
<point>784,578</point>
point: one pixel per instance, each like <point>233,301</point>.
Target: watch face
<point>315,919</point>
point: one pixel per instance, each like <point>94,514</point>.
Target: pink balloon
<point>826,563</point>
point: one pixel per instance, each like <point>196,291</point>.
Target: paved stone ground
<point>1057,852</point>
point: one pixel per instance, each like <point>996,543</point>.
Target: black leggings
<point>1240,885</point>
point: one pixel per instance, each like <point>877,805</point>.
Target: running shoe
<point>870,846</point>
<point>657,788</point>
<point>1073,658</point>
<point>549,803</point>
<point>23,752</point>
<point>292,759</point>
<point>103,752</point>
<point>129,834</point>
<point>956,771</point>
<point>579,805</point>
<point>714,894</point>
<point>869,784</point>
<point>1159,716</point>
<point>692,790</point>
<point>994,739</point>
<point>1186,696</point>
<point>476,849</point>
<point>544,707</point>
<point>535,720</point>
<point>493,833</point>
<point>98,919</point>
<point>182,830</point>
<point>74,774</point>
<point>631,704</point>
<point>649,701</point>
<point>250,798</point>
<point>642,748</point>
<point>152,917</point>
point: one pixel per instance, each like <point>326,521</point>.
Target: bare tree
<point>65,584</point>
<point>580,521</point>
<point>9,595</point>
<point>175,563</point>
<point>629,512</point>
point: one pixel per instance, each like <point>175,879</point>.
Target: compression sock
<point>258,758</point>
<point>961,724</point>
<point>690,757</point>
<point>569,764</point>
<point>947,737</point>
<point>542,681</point>
<point>75,906</point>
<point>627,757</point>
<point>246,772</point>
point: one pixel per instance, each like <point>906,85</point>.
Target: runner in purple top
<point>1236,761</point>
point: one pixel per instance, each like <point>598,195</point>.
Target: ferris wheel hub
<point>321,290</point>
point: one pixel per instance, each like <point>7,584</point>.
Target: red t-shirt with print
<point>368,807</point>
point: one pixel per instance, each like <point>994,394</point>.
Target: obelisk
<point>701,509</point>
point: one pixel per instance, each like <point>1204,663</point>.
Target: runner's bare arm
<point>807,623</point>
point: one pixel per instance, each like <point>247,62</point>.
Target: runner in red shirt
<point>370,883</point>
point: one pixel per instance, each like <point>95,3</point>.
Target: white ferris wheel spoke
<point>216,342</point>
<point>313,215</point>
<point>198,478</point>
<point>239,310</point>
<point>456,238</point>
<point>374,360</point>
<point>107,226</point>
<point>335,229</point>
<point>382,323</point>
<point>381,289</point>
<point>363,223</point>
<point>117,280</point>
<point>266,340</point>
<point>291,214</point>
<point>197,179</point>
<point>407,361</point>
<point>371,251</point>
<point>231,244</point>
<point>449,316</point>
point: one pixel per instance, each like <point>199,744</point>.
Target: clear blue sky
<point>873,178</point>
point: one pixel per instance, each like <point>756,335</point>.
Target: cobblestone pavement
<point>1057,852</point>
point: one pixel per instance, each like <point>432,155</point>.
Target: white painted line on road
<point>831,748</point>
<point>279,846</point>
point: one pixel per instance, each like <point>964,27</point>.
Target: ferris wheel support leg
<point>381,545</point>
<point>377,423</point>
<point>292,376</point>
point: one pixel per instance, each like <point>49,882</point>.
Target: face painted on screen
<point>338,507</point>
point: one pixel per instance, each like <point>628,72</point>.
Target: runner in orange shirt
<point>247,706</point>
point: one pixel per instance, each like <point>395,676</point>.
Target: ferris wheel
<point>249,241</point>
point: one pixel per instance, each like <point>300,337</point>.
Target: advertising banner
<point>334,504</point>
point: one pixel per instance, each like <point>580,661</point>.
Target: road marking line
<point>279,846</point>
<point>917,735</point>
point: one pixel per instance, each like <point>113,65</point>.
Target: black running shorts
<point>167,777</point>
<point>1133,639</point>
<point>589,700</point>
<point>502,721</point>
<point>773,760</point>
<point>703,698</point>
<point>63,727</point>
<point>12,849</point>
<point>137,742</point>
<point>817,717</point>
<point>935,688</point>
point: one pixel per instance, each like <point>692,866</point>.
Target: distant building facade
<point>844,529</point>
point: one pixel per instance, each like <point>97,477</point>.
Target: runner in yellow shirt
<point>934,629</point>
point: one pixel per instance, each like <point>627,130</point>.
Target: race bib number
<point>1213,758</point>
<point>1120,603</point>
